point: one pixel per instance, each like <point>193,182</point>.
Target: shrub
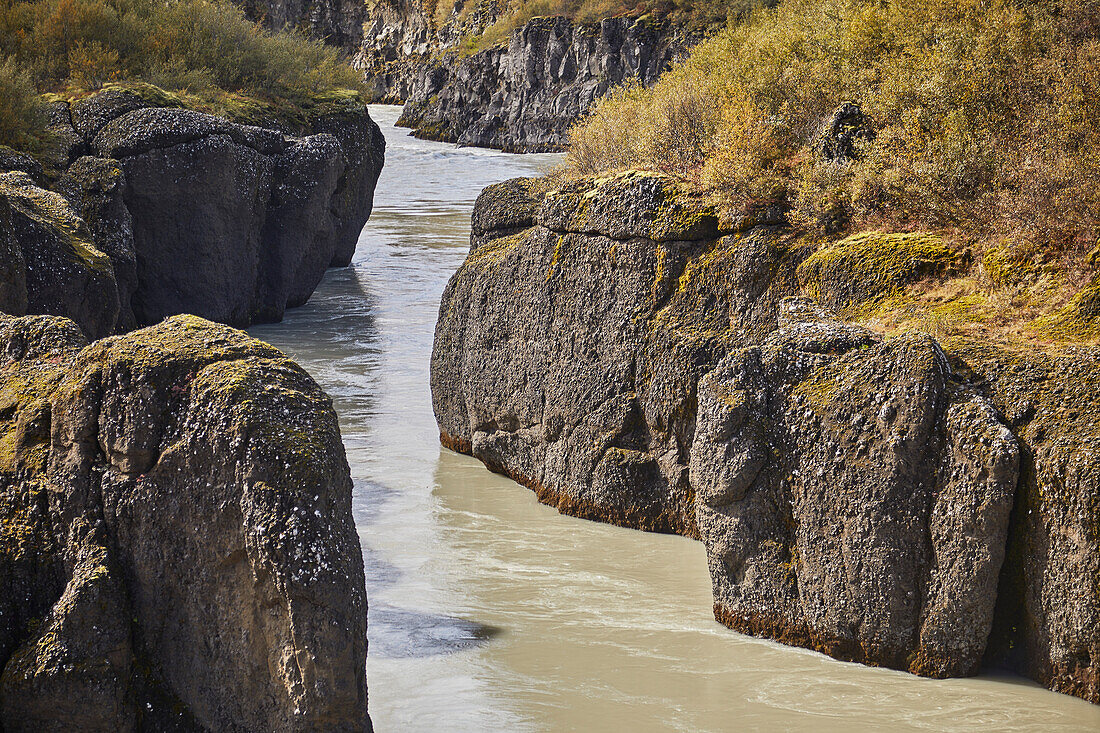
<point>206,47</point>
<point>987,115</point>
<point>21,113</point>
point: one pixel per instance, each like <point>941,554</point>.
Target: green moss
<point>820,389</point>
<point>52,211</point>
<point>874,265</point>
<point>154,95</point>
<point>1079,320</point>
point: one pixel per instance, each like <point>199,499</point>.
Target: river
<point>491,612</point>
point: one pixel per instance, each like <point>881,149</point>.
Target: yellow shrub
<point>986,114</point>
<point>21,114</point>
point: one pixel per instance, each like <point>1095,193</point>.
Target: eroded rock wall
<point>169,211</point>
<point>400,36</point>
<point>567,354</point>
<point>524,96</point>
<point>853,498</point>
<point>1048,606</point>
<point>621,349</point>
<point>176,541</point>
<point>338,23</point>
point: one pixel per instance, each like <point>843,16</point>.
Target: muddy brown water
<point>491,612</point>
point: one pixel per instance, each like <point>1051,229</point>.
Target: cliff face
<point>167,211</point>
<point>596,412</point>
<point>853,499</point>
<point>525,96</point>
<point>399,37</point>
<point>632,357</point>
<point>337,22</point>
<point>176,544</point>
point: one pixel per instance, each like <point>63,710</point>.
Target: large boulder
<point>853,499</point>
<point>178,550</point>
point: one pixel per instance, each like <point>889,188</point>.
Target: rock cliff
<point>593,405</point>
<point>853,498</point>
<point>635,358</point>
<point>167,210</point>
<point>336,22</point>
<point>176,544</point>
<point>525,95</point>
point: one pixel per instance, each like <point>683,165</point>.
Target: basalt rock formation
<point>177,550</point>
<point>567,355</point>
<point>400,36</point>
<point>1048,607</point>
<point>636,358</point>
<point>524,97</point>
<point>336,22</point>
<point>52,264</point>
<point>852,498</point>
<point>176,211</point>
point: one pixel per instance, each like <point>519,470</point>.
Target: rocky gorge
<point>523,96</point>
<point>635,357</point>
<point>519,95</point>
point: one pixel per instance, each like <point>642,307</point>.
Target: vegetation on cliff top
<point>508,15</point>
<point>205,49</point>
<point>984,126</point>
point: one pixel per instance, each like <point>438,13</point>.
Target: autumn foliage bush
<point>204,47</point>
<point>987,114</point>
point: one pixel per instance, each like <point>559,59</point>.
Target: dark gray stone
<point>853,500</point>
<point>194,562</point>
<point>524,97</point>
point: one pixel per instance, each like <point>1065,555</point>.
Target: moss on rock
<point>868,266</point>
<point>1078,320</point>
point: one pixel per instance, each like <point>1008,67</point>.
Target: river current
<point>491,612</point>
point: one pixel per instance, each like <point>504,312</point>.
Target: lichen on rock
<point>567,353</point>
<point>63,271</point>
<point>196,563</point>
